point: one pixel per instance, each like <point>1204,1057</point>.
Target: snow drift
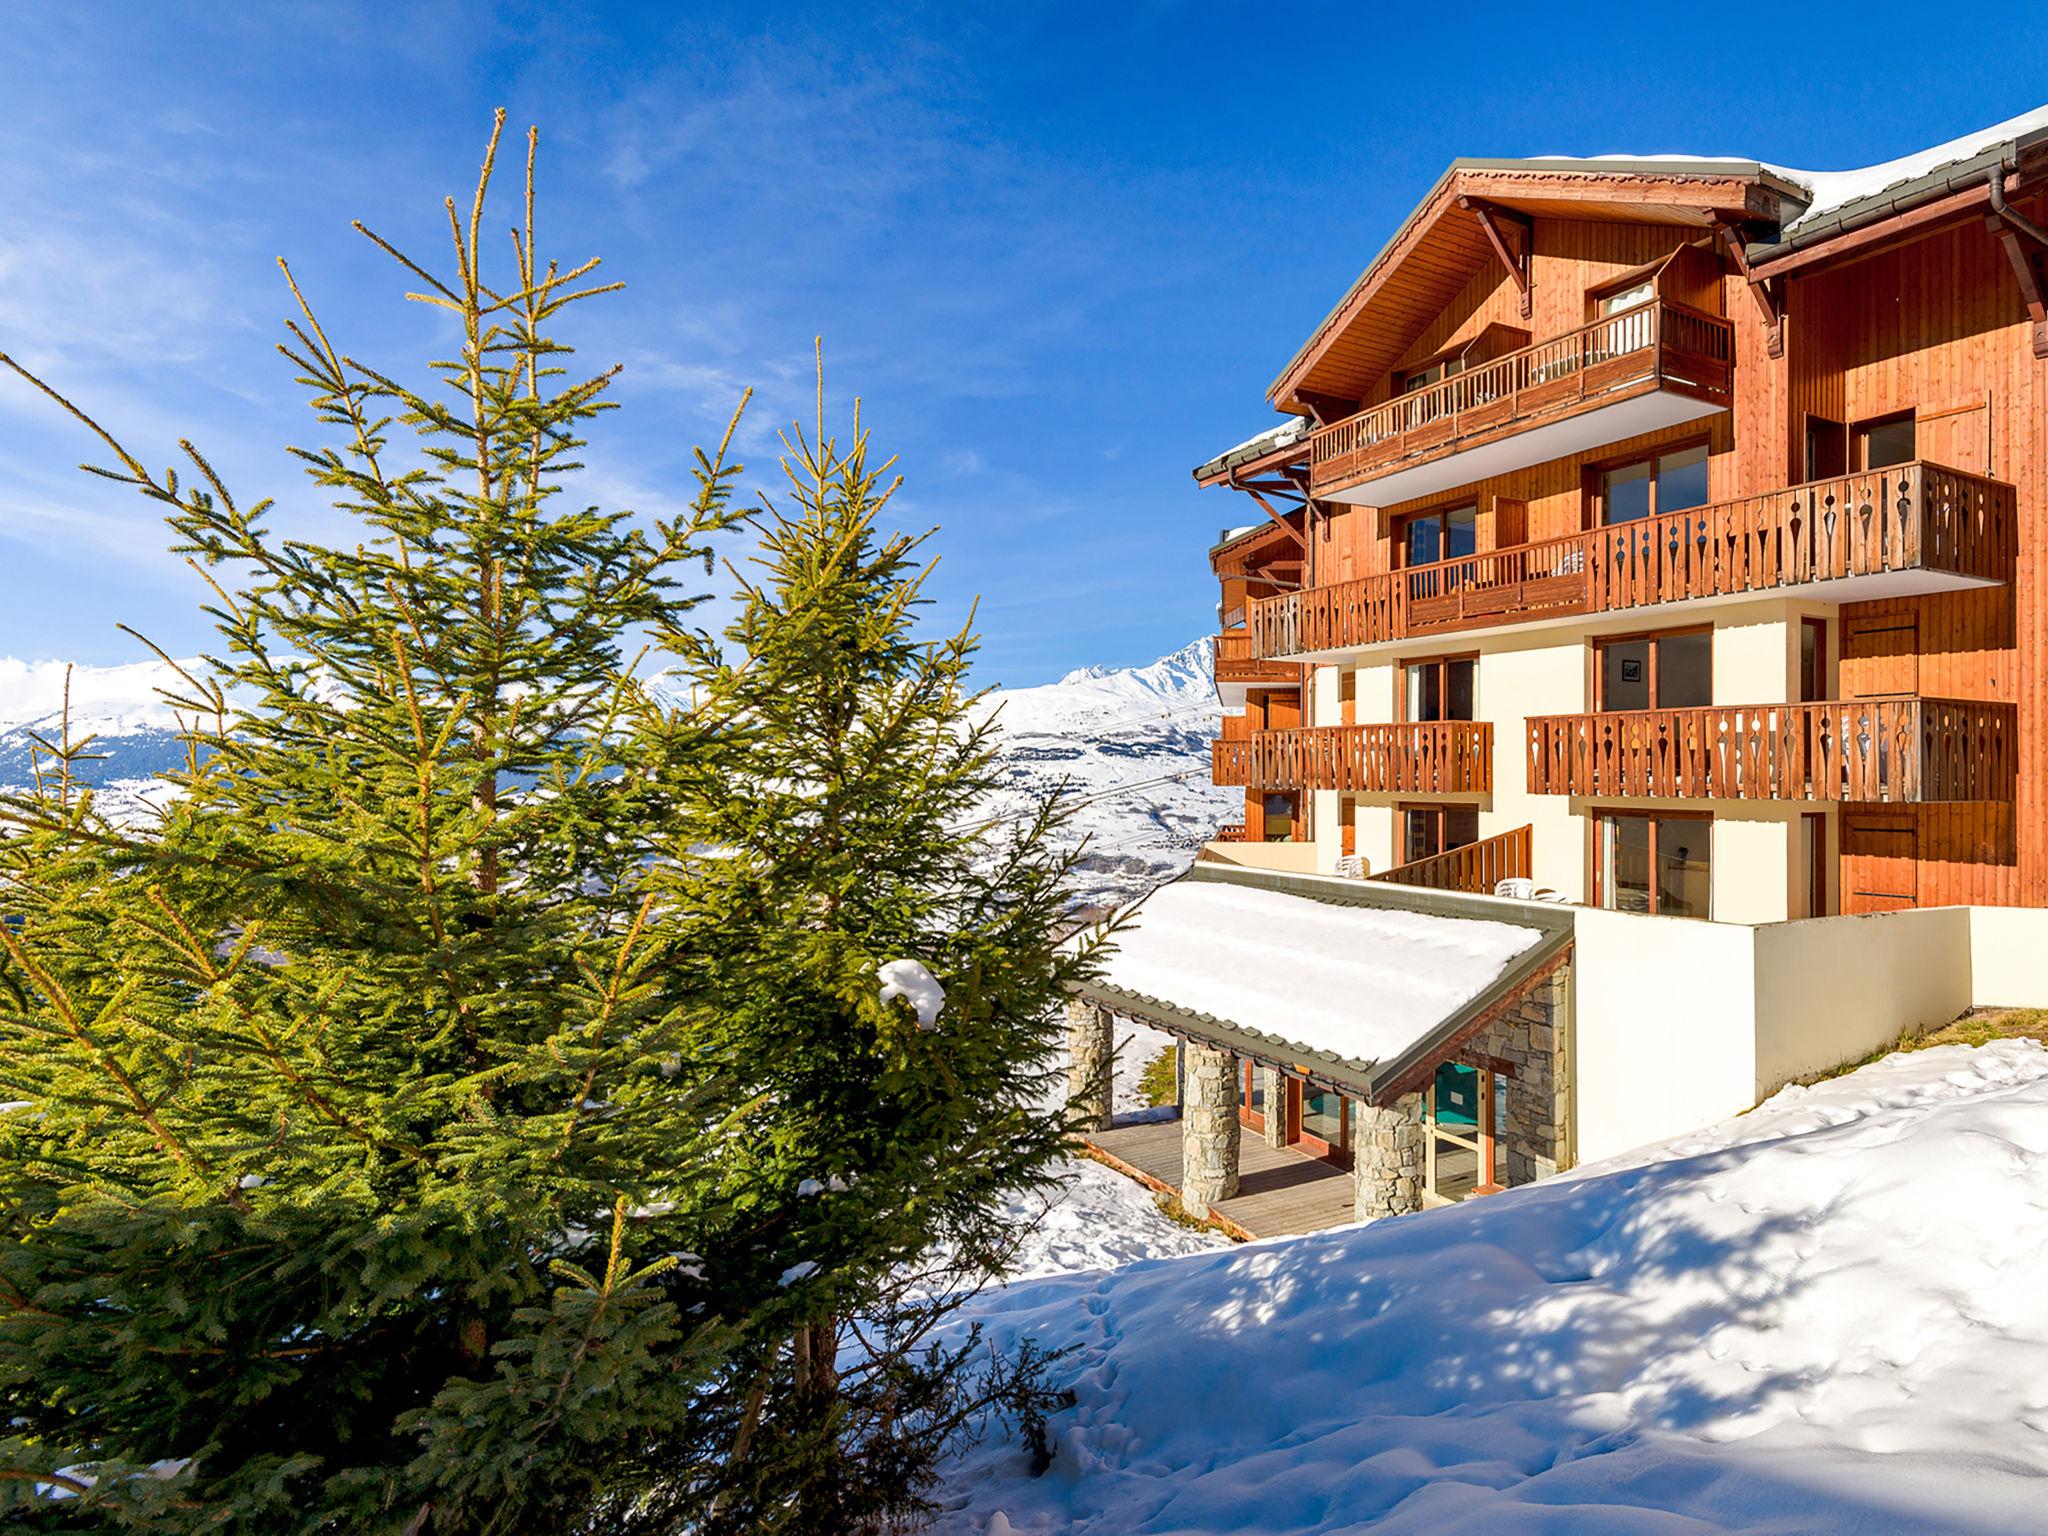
<point>1825,1315</point>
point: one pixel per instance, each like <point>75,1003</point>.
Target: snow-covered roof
<point>1294,429</point>
<point>1312,977</point>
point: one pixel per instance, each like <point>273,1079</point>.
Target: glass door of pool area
<point>1319,1121</point>
<point>1459,1155</point>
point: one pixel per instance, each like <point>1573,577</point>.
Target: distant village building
<point>1647,540</point>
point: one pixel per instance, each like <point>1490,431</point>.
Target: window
<point>1318,1119</point>
<point>1670,671</point>
<point>1654,862</point>
<point>1440,688</point>
<point>1669,482</point>
<point>1251,1096</point>
<point>1428,830</point>
<point>1459,1149</point>
<point>1883,441</point>
<point>1813,848</point>
<point>1616,300</point>
<point>1448,533</point>
<point>1827,448</point>
<point>1432,373</point>
<point>1279,818</point>
<point>1813,660</point>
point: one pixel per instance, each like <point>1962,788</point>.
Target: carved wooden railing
<point>1435,757</point>
<point>1672,343</point>
<point>1909,517</point>
<point>1476,867</point>
<point>1232,832</point>
<point>1233,662</point>
<point>1879,750</point>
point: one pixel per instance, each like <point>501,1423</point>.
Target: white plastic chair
<point>1351,866</point>
<point>1516,888</point>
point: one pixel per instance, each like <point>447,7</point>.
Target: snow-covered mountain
<point>1130,744</point>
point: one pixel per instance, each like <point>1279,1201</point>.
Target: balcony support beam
<point>2024,242</point>
<point>1267,507</point>
<point>1768,292</point>
<point>1491,219</point>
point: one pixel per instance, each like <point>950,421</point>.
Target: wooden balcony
<point>1654,366</point>
<point>1438,757</point>
<point>1908,529</point>
<point>1475,868</point>
<point>1895,751</point>
<point>1234,663</point>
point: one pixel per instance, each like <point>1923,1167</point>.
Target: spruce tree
<point>356,1140</point>
<point>834,859</point>
<point>474,1104</point>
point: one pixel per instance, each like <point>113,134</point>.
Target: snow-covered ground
<point>1823,1316</point>
<point>1101,1219</point>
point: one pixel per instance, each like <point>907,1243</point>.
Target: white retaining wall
<point>1681,1023</point>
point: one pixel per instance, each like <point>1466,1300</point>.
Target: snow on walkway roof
<point>1359,983</point>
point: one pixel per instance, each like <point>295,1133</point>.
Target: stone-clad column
<point>1275,1087</point>
<point>1209,1127</point>
<point>1091,1063</point>
<point>1387,1162</point>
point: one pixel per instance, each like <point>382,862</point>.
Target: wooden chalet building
<point>1663,536</point>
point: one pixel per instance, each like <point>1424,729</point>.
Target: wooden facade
<point>1486,320</point>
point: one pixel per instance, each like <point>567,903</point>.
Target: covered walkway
<point>1278,1191</point>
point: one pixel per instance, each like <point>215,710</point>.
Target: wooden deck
<point>1278,1191</point>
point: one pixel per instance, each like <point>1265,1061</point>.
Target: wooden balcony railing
<point>1879,750</point>
<point>1234,663</point>
<point>1909,517</point>
<point>1436,757</point>
<point>1476,868</point>
<point>1657,345</point>
<point>1231,832</point>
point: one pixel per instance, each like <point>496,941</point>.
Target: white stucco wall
<point>1678,1024</point>
<point>2008,957</point>
<point>1835,989</point>
<point>1663,1016</point>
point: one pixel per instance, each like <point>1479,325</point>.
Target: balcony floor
<point>1279,1191</point>
<point>1880,587</point>
<point>1406,479</point>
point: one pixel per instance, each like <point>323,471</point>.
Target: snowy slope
<point>1131,745</point>
<point>1824,1316</point>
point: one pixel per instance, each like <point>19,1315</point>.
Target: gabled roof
<point>1351,981</point>
<point>1439,246</point>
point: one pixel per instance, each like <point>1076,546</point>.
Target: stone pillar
<point>1091,1063</point>
<point>1275,1087</point>
<point>1208,1127</point>
<point>1387,1165</point>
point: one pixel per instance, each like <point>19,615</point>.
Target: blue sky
<point>1058,250</point>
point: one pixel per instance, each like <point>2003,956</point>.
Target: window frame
<point>1595,882</point>
<point>1595,513</point>
<point>1438,809</point>
<point>1441,513</point>
<point>1442,661</point>
<point>1818,628</point>
<point>1339,1151</point>
<point>1652,637</point>
<point>1253,1118</point>
<point>1599,293</point>
<point>1859,439</point>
